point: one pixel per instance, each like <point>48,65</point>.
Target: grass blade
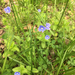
<point>62,60</point>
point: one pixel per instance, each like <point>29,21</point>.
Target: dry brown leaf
<point>70,67</point>
<point>1,40</point>
<point>67,41</point>
<point>29,26</point>
<point>7,1</point>
<point>1,46</point>
<point>66,17</point>
<point>1,31</point>
<point>69,12</point>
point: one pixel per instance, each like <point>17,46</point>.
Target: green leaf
<point>17,69</point>
<point>28,68</point>
<point>23,70</point>
<point>4,36</point>
<point>35,29</point>
<point>4,21</point>
<point>12,44</point>
<point>15,48</point>
<point>20,69</point>
<point>56,22</point>
<point>70,54</point>
<point>70,72</point>
<point>34,70</point>
<point>8,43</point>
<point>53,41</point>
<point>44,66</point>
<point>54,27</point>
<point>39,68</point>
<point>56,34</point>
<point>39,37</point>
<point>63,59</point>
<point>51,32</point>
<point>28,38</point>
<point>73,48</point>
<point>17,37</point>
<point>43,44</point>
<point>6,53</point>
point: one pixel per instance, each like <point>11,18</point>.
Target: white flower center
<point>41,28</point>
<point>7,10</point>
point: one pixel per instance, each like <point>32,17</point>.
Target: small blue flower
<point>16,73</point>
<point>41,28</point>
<point>7,9</point>
<point>39,10</point>
<point>47,37</point>
<point>47,26</point>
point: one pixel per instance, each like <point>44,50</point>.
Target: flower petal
<point>16,73</point>
<point>39,10</point>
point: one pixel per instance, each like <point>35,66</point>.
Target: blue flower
<point>7,9</point>
<point>16,73</point>
<point>47,26</point>
<point>39,10</point>
<point>41,28</point>
<point>47,37</point>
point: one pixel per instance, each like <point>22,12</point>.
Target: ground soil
<point>1,30</point>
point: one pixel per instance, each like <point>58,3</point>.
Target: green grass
<point>28,52</point>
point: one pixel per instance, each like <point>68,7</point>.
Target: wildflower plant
<point>42,28</point>
<point>23,47</point>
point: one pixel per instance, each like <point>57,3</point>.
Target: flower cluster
<point>42,28</point>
